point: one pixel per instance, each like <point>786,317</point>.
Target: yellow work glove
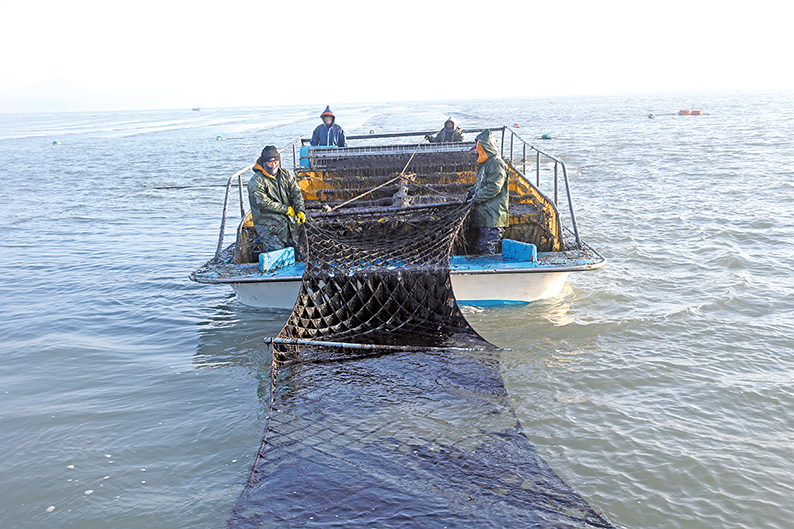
<point>290,212</point>
<point>301,217</point>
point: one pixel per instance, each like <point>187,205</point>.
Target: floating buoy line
<point>682,113</point>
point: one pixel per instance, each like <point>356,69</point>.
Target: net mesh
<point>418,439</point>
<point>378,278</point>
<point>421,437</point>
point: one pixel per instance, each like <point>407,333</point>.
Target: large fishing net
<point>411,439</point>
<point>378,278</point>
<point>386,408</point>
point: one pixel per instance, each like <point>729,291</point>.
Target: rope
<point>398,177</point>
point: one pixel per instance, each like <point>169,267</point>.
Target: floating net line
<point>412,430</point>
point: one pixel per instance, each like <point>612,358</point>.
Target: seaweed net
<point>415,433</point>
<point>378,278</point>
<point>413,439</point>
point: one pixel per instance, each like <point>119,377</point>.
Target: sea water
<point>660,387</point>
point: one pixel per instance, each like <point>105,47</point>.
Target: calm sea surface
<point>660,387</point>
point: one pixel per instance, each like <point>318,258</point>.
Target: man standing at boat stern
<point>328,133</point>
<point>276,203</point>
<point>490,196</point>
<point>450,132</point>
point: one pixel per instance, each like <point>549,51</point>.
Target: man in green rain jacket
<point>490,196</point>
<point>450,132</point>
<point>276,202</point>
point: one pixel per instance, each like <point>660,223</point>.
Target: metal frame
<point>239,176</point>
<point>320,343</point>
<point>557,165</point>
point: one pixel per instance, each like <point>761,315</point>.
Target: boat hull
<point>470,289</point>
<point>500,288</point>
<point>274,295</point>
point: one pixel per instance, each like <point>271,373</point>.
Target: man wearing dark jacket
<point>328,133</point>
<point>490,195</point>
<point>276,202</point>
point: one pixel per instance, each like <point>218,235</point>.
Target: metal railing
<point>306,141</point>
<point>526,150</point>
<point>239,177</point>
<point>515,141</point>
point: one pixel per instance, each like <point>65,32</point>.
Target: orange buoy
<point>516,125</point>
<point>696,113</point>
<point>683,112</point>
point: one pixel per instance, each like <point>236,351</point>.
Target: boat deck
<point>566,261</point>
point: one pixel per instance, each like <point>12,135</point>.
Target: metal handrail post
<point>537,169</point>
<point>570,206</point>
<point>556,184</point>
<point>239,176</point>
<point>223,220</point>
<point>242,199</point>
<point>525,157</point>
<point>512,136</point>
<point>502,154</point>
<point>226,208</point>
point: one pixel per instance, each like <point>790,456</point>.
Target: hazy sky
<point>232,53</point>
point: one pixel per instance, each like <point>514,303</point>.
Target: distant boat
<point>196,109</point>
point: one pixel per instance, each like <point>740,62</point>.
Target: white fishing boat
<point>536,256</point>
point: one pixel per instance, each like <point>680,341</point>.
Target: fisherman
<point>328,133</point>
<point>489,196</point>
<point>450,132</point>
<point>276,203</point>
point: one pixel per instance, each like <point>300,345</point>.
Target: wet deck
<point>572,260</point>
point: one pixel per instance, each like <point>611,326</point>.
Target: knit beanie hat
<point>269,154</point>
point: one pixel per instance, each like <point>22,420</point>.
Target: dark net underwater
<point>386,408</point>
